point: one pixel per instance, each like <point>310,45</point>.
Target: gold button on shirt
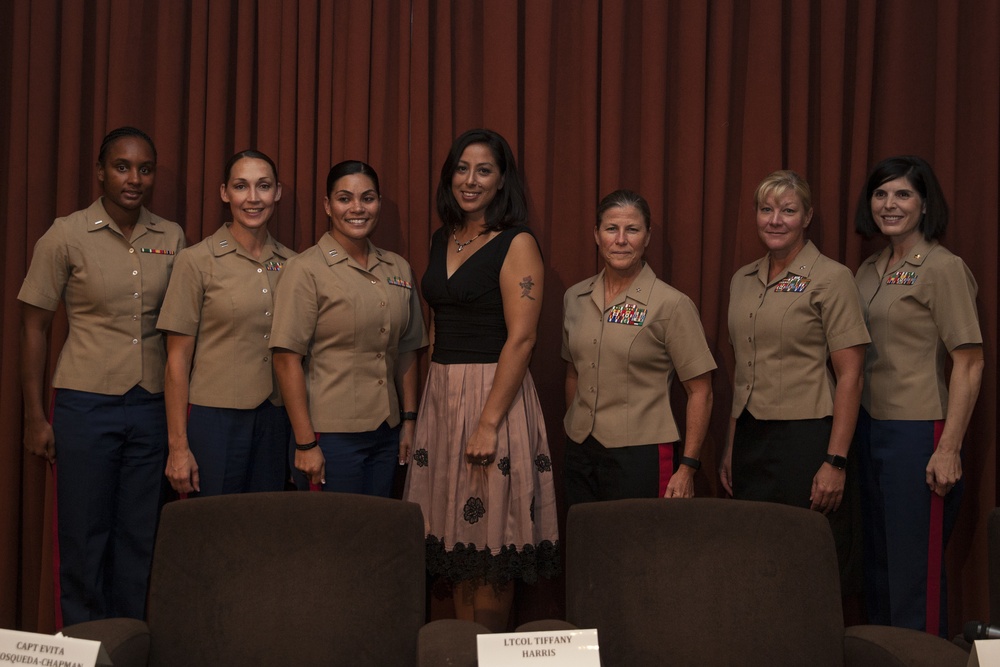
<point>918,311</point>
<point>625,369</point>
<point>351,324</point>
<point>783,331</point>
<point>112,288</point>
<point>224,297</point>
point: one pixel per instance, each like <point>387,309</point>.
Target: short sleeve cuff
<point>33,297</point>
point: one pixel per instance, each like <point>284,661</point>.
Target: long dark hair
<point>508,207</point>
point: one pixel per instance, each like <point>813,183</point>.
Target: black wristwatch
<point>690,462</point>
<point>408,416</point>
<point>837,461</point>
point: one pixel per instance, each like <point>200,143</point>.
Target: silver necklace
<point>461,246</point>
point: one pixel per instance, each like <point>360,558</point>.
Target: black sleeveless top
<point>469,326</point>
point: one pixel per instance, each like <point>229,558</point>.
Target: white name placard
<point>558,648</point>
<point>985,653</point>
<point>28,648</point>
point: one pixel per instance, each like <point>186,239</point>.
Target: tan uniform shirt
<point>351,324</point>
<point>917,311</point>
<point>782,332</point>
<point>112,288</point>
<point>626,355</point>
<point>224,297</point>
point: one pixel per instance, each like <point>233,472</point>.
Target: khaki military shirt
<point>626,355</point>
<point>782,332</point>
<point>224,297</point>
<point>112,288</point>
<point>351,324</point>
<point>917,311</point>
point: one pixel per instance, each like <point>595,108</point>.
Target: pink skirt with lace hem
<point>493,523</point>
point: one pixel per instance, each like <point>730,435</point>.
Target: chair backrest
<point>287,579</point>
<point>704,582</point>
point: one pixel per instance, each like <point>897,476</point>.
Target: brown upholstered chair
<point>278,579</point>
<point>706,582</point>
<point>993,570</point>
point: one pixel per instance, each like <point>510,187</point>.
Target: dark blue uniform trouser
<point>362,463</point>
<point>110,453</point>
<point>239,451</point>
<point>906,526</point>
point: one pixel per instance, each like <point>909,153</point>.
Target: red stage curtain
<point>689,102</point>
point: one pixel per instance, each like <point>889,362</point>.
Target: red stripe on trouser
<point>935,551</point>
<point>56,588</point>
<point>666,465</point>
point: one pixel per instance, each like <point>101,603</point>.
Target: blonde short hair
<point>781,181</point>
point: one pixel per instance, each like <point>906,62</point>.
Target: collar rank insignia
<point>901,278</point>
<point>156,251</point>
<point>792,284</point>
<point>399,282</point>
<point>333,253</point>
<point>224,243</point>
<point>273,266</point>
<point>627,313</point>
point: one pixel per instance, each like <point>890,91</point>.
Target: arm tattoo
<point>526,284</point>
